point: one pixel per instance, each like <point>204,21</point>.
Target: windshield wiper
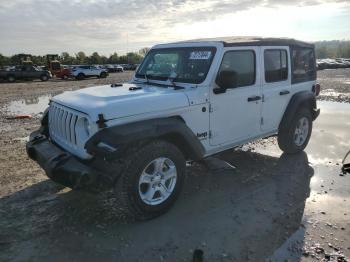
<point>165,85</point>
<point>171,79</point>
<point>146,77</point>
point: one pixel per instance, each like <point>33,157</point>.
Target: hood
<point>121,101</point>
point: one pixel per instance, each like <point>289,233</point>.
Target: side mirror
<point>225,80</point>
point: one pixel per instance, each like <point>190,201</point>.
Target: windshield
<point>187,64</point>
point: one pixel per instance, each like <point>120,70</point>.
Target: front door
<point>276,86</point>
<point>235,114</point>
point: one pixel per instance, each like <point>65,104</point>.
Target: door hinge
<point>210,108</point>
<point>262,98</point>
<point>210,134</point>
<point>261,121</point>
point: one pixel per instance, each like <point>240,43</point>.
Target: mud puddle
<point>33,105</point>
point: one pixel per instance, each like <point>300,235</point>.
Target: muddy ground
<point>265,206</point>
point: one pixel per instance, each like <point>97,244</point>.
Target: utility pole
<point>127,47</point>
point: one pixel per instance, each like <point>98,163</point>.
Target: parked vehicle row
<point>55,69</point>
<point>333,63</point>
<point>113,68</point>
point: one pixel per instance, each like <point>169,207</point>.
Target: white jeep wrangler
<point>187,100</point>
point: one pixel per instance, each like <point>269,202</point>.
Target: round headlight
<point>87,126</point>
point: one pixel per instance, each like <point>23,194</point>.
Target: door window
<point>241,62</point>
<point>276,65</point>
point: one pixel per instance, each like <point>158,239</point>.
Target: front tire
<point>103,75</point>
<point>151,181</point>
<point>295,137</point>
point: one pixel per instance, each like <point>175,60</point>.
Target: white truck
<point>187,101</point>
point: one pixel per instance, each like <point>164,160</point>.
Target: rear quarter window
<point>303,65</point>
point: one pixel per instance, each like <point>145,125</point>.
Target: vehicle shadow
<point>235,213</point>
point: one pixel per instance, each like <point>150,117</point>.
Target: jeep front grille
<point>62,128</point>
<point>62,122</point>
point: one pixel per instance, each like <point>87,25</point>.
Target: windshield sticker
<point>200,55</point>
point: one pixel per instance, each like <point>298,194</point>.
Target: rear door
<point>235,114</point>
<point>276,85</point>
<point>94,71</point>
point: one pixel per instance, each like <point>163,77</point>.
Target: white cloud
<point>46,26</point>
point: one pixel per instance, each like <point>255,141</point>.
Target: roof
<point>254,41</point>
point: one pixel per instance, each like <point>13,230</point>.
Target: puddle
<point>330,136</point>
<point>332,107</point>
<point>331,92</point>
<point>32,105</point>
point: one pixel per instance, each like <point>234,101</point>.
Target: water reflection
<point>32,105</point>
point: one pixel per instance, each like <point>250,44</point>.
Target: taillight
<point>316,89</point>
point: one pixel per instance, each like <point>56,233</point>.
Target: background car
<point>27,72</point>
<point>118,68</point>
<point>84,71</point>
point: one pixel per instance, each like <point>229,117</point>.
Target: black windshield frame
<point>153,52</point>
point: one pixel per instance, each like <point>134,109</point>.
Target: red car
<point>63,73</point>
<point>58,70</point>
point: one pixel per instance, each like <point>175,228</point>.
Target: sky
<point>107,26</point>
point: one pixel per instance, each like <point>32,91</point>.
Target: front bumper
<point>63,168</point>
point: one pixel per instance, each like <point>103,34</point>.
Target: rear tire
<point>80,76</point>
<point>11,78</point>
<point>151,181</point>
<point>295,137</point>
<point>44,78</point>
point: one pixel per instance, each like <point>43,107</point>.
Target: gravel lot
<point>271,206</point>
<point>335,85</point>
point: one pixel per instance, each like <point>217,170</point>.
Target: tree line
<point>333,49</point>
<point>79,58</point>
<point>324,49</point>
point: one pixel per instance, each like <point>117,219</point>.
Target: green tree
<point>95,58</point>
<point>67,59</point>
<point>81,58</point>
<point>133,58</point>
<point>4,60</point>
<point>113,58</point>
<point>104,60</point>
<point>143,51</point>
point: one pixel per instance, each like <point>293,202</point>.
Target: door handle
<point>254,98</point>
<point>284,92</point>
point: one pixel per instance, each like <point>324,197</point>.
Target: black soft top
<point>255,41</point>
